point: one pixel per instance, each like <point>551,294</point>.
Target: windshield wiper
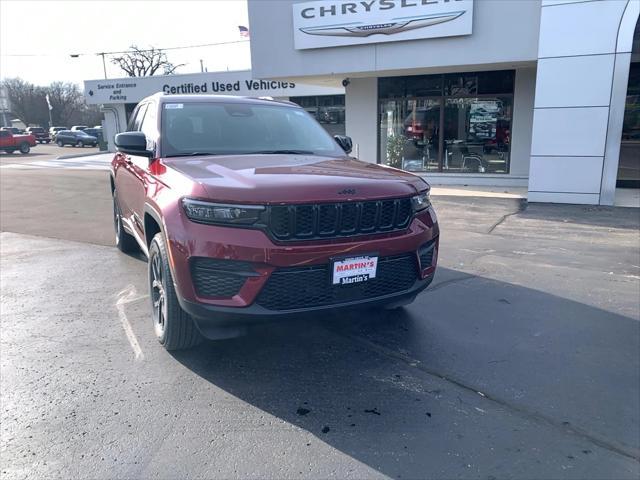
<point>191,154</point>
<point>281,152</point>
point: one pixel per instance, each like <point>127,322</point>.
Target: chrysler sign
<point>332,23</point>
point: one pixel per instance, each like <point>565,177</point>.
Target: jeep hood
<point>272,179</point>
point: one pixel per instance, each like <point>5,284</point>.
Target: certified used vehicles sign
<point>354,270</point>
<point>331,23</point>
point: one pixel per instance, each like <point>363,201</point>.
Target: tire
<point>79,143</point>
<point>24,148</point>
<point>47,141</point>
<point>125,242</point>
<point>174,328</point>
<point>60,143</point>
<point>10,152</point>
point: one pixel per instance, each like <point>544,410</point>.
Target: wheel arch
<point>152,224</point>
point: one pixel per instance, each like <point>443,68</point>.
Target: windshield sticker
<point>170,106</point>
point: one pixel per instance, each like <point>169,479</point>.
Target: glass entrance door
<point>629,163</point>
<point>477,135</point>
<point>409,133</point>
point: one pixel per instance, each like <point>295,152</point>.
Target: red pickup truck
<point>10,143</point>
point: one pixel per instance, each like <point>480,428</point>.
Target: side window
<point>136,118</point>
<point>4,133</point>
<point>149,123</point>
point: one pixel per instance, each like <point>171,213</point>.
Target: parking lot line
<point>125,296</point>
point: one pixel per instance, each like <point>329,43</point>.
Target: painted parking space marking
<point>128,295</point>
<point>90,162</point>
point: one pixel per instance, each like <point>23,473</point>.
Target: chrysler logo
<point>395,25</point>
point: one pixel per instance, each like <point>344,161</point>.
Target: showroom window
<point>328,110</point>
<point>452,123</point>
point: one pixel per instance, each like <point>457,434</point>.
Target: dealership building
<point>542,94</point>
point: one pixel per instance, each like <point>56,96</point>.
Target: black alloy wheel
<point>174,328</point>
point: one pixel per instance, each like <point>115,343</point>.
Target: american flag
<point>244,31</point>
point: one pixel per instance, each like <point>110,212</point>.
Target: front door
<point>129,178</point>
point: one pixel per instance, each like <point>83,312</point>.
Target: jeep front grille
<point>329,220</point>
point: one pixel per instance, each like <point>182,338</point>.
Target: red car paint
<point>152,189</point>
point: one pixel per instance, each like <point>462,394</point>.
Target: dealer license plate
<point>347,271</point>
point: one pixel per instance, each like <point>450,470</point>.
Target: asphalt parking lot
<point>521,360</point>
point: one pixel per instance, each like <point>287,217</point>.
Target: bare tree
<point>27,101</point>
<point>145,62</point>
<point>66,100</point>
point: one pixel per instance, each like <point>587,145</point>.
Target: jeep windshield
<point>214,128</point>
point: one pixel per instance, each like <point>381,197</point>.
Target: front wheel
<point>25,148</point>
<point>174,328</point>
<point>60,144</point>
<point>79,143</point>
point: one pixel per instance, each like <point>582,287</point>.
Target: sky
<point>50,31</point>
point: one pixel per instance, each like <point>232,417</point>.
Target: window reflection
<point>477,135</point>
<point>475,123</point>
<point>328,110</point>
<point>409,134</point>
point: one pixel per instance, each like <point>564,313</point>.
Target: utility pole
<point>104,65</point>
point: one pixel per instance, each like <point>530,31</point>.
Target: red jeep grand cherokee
<point>248,210</point>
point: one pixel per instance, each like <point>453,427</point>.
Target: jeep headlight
<point>421,202</point>
<point>217,213</point>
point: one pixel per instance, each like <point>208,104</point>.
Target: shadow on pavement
<point>397,390</point>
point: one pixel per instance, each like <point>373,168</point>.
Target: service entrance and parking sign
<point>332,23</point>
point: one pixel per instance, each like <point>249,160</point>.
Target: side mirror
<point>134,143</point>
<point>345,142</point>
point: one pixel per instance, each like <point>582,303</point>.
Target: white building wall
<point>503,31</point>
<point>573,99</point>
<point>361,112</point>
<point>523,96</point>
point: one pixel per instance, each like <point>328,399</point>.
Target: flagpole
<point>49,108</point>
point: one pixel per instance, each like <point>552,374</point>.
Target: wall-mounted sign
<point>132,90</point>
<point>332,23</point>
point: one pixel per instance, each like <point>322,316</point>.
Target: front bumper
<point>191,241</point>
<point>210,319</point>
